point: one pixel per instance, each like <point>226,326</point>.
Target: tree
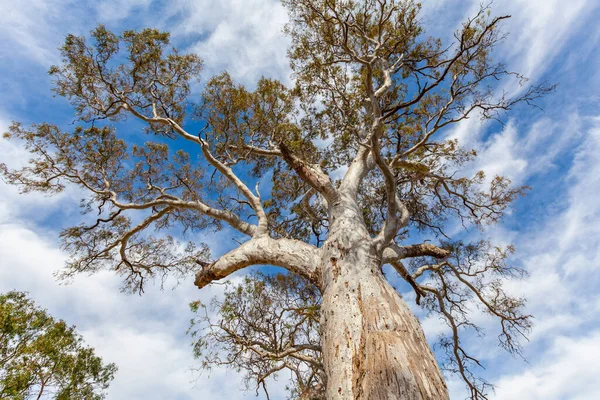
<point>264,325</point>
<point>43,358</point>
<point>371,85</point>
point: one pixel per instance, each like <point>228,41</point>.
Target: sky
<point>556,151</point>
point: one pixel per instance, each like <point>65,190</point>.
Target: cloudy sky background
<point>556,228</point>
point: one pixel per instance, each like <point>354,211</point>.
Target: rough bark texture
<point>373,345</point>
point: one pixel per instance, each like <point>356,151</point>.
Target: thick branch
<point>256,150</point>
<point>233,220</point>
<point>397,213</point>
<point>307,207</point>
<point>253,199</point>
<point>294,255</point>
<point>361,165</point>
<point>394,252</point>
<point>401,270</point>
<point>316,178</point>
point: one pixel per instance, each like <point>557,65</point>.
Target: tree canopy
<point>352,163</point>
<point>43,358</point>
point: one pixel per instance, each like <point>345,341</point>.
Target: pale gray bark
<point>296,256</point>
<point>373,345</point>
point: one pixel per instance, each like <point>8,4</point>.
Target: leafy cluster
<point>117,179</point>
<point>43,358</point>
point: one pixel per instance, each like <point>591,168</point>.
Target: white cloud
<point>32,29</point>
<point>115,10</point>
<point>35,206</point>
<point>243,37</point>
<point>433,326</point>
<point>561,255</point>
<point>154,365</point>
<point>568,370</point>
<point>539,29</point>
<point>538,32</point>
<point>501,156</point>
<point>143,335</point>
<point>522,153</point>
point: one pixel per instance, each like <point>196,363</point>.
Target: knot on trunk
<point>204,276</point>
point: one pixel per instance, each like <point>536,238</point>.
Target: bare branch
<point>401,270</point>
<point>265,324</point>
<point>394,252</point>
<point>222,168</point>
<point>467,278</point>
<point>296,256</point>
<point>464,47</point>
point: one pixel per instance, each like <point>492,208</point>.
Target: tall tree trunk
<point>373,345</point>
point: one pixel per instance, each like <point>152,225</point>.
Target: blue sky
<point>556,228</point>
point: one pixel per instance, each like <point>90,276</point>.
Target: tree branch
<point>448,63</point>
<point>222,168</point>
<point>316,178</point>
<point>294,255</point>
<point>362,163</point>
<point>399,267</point>
<point>394,252</point>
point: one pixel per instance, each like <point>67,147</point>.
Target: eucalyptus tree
<point>42,358</point>
<point>362,173</point>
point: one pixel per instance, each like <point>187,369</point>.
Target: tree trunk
<point>373,345</point>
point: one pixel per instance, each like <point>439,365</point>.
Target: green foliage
<point>96,83</point>
<point>43,358</point>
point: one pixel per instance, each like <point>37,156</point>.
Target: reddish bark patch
<point>336,268</point>
<point>359,355</point>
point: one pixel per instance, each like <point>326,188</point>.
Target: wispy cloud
<point>560,254</point>
<point>32,30</point>
<point>243,37</point>
<point>117,10</point>
<point>568,370</point>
